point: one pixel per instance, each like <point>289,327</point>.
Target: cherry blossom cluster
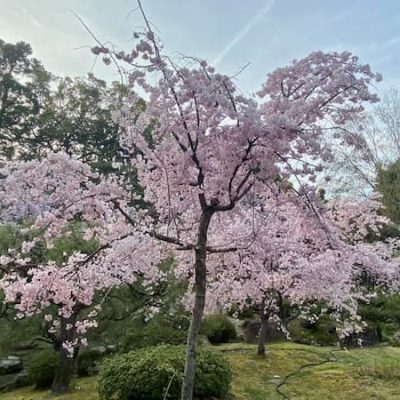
<point>227,176</point>
<point>51,197</point>
<point>300,255</point>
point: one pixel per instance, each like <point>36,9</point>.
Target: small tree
<point>295,257</point>
<point>60,193</point>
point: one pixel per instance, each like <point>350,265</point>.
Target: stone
<point>22,379</point>
<point>10,365</point>
<point>99,349</point>
<point>103,349</point>
<point>276,380</point>
<point>14,381</point>
<point>252,329</point>
<point>111,348</point>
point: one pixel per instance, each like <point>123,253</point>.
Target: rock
<point>238,324</point>
<point>103,350</point>
<point>252,329</point>
<point>10,365</point>
<point>276,380</point>
<point>99,349</point>
<point>22,379</point>
<point>7,382</point>
<point>327,376</point>
<point>111,348</point>
<point>14,381</point>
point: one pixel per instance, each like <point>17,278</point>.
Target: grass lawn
<point>293,371</point>
<point>290,371</point>
<point>83,389</point>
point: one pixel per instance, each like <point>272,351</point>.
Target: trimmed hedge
<point>148,373</point>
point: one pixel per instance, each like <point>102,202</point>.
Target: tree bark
<point>262,338</point>
<point>64,372</point>
<point>198,308</point>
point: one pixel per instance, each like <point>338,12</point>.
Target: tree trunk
<point>64,372</point>
<point>262,338</point>
<point>198,308</point>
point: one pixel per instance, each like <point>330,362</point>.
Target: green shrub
<point>218,329</point>
<point>88,362</point>
<point>145,374</point>
<point>395,339</point>
<point>321,331</point>
<point>383,314</point>
<point>152,334</point>
<point>42,368</point>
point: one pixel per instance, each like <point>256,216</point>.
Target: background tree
<point>24,84</point>
<point>76,119</point>
<point>41,113</point>
<point>296,260</point>
<point>388,185</point>
<point>376,134</point>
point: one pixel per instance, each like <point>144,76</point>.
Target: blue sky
<point>231,33</point>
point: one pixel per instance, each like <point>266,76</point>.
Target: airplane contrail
<point>245,30</point>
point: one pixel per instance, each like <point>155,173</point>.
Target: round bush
<point>322,331</point>
<point>42,369</point>
<point>218,329</point>
<point>146,374</point>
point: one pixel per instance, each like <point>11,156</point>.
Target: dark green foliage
<point>15,333</point>
<point>382,314</point>
<point>23,84</point>
<point>63,247</point>
<point>155,332</point>
<point>123,320</point>
<point>42,369</point>
<point>242,313</point>
<point>388,184</point>
<point>146,374</point>
<point>322,331</point>
<point>76,118</point>
<point>65,114</point>
<point>213,374</point>
<point>218,329</point>
<point>88,362</point>
<point>9,237</point>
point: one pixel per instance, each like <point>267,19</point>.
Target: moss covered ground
<point>293,371</point>
<point>289,371</point>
